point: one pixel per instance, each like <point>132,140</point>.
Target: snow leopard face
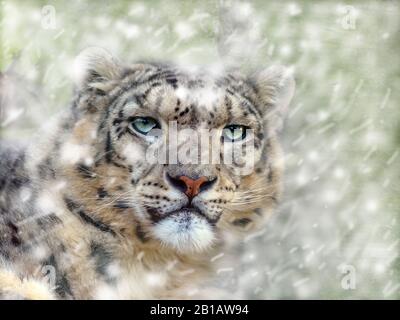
<point>173,156</point>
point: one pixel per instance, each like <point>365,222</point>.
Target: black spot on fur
<point>108,148</point>
<point>102,193</point>
<point>117,121</point>
<point>119,165</point>
<point>270,174</point>
<point>141,234</point>
<point>48,221</point>
<point>154,215</point>
<point>121,204</point>
<point>102,259</point>
<point>228,103</point>
<point>63,287</point>
<point>12,175</point>
<point>173,82</point>
<point>85,171</point>
<point>18,182</point>
<point>15,239</point>
<point>243,222</point>
<point>76,209</point>
<point>141,99</point>
<point>71,205</point>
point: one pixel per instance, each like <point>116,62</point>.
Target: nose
<point>191,187</point>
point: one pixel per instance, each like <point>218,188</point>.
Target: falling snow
<point>340,211</point>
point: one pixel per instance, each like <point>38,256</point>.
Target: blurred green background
<point>340,214</point>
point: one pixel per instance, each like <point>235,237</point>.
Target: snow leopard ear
<point>275,87</point>
<point>94,66</point>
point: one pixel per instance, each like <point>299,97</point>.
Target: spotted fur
<point>84,200</point>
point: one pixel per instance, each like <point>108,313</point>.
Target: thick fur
<point>83,200</point>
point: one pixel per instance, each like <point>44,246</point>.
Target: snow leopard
<point>84,214</point>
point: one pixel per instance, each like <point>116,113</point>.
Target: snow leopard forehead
<point>184,92</point>
<point>186,95</point>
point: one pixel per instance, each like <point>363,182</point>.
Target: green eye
<point>234,132</point>
<point>143,125</point>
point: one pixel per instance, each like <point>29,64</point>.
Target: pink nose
<point>193,186</point>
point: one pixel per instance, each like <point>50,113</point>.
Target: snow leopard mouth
<point>186,211</point>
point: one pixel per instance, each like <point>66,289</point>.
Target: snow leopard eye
<point>143,125</point>
<point>234,132</point>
